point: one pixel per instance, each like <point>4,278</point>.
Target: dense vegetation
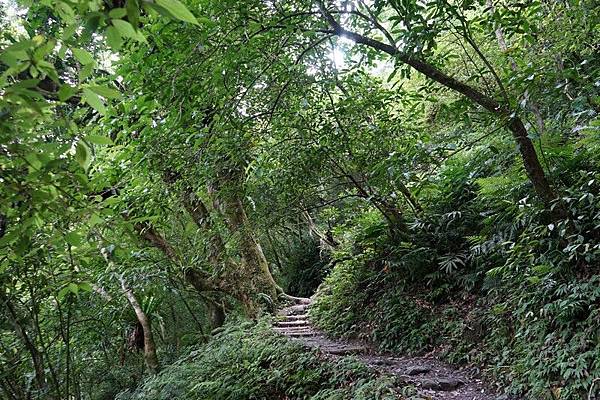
<point>267,367</point>
<point>429,168</point>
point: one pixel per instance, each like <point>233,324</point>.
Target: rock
<point>297,310</point>
<point>417,370</point>
<point>443,384</point>
<point>377,362</point>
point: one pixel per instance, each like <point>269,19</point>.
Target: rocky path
<point>431,378</point>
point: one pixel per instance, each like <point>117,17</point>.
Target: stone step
<point>306,333</point>
<point>283,324</point>
<point>296,310</point>
<point>300,300</point>
<point>295,332</point>
<point>294,317</point>
<point>291,328</point>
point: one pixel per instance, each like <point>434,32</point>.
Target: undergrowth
<point>248,361</point>
<point>485,277</point>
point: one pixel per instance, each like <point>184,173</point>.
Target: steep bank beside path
<point>431,378</point>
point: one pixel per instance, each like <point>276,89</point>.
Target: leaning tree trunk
<point>503,112</point>
<point>149,346</point>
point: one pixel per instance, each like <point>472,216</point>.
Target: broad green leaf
<point>105,91</point>
<point>26,83</point>
<point>48,69</point>
<point>66,12</point>
<point>177,10</point>
<point>73,288</point>
<point>117,13</point>
<point>69,31</point>
<point>62,293</point>
<point>85,287</point>
<point>33,160</point>
<point>82,155</point>
<point>95,219</point>
<point>73,238</point>
<point>9,59</point>
<point>44,50</point>
<point>98,139</point>
<point>94,100</point>
<point>133,11</point>
<point>124,28</point>
<point>66,91</point>
<point>113,38</point>
<point>19,46</point>
<point>83,56</point>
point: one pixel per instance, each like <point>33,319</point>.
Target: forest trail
<point>432,378</point>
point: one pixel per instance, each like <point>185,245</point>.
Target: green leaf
<point>33,160</point>
<point>124,28</point>
<point>62,293</point>
<point>95,219</point>
<point>392,75</point>
<point>73,238</point>
<point>85,287</point>
<point>73,288</point>
<point>105,91</point>
<point>82,155</point>
<point>117,13</point>
<point>86,72</point>
<point>98,139</point>
<point>9,59</point>
<point>94,100</point>
<point>177,10</point>
<point>133,11</point>
<point>113,38</point>
<point>65,12</point>
<point>19,46</point>
<point>42,51</point>
<point>66,91</point>
<point>83,56</point>
<point>26,83</point>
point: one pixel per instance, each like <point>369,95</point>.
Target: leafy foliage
<point>166,165</point>
<point>266,367</point>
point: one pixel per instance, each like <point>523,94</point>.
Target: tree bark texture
<point>150,356</point>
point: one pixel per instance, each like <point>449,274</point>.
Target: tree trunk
<point>255,267</point>
<point>325,241</point>
<point>251,280</point>
<point>149,346</point>
<point>531,162</point>
<point>20,331</point>
<point>201,216</point>
<point>216,313</point>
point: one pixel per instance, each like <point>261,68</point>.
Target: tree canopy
<point>171,166</point>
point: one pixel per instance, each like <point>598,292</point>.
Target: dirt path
<point>431,378</point>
